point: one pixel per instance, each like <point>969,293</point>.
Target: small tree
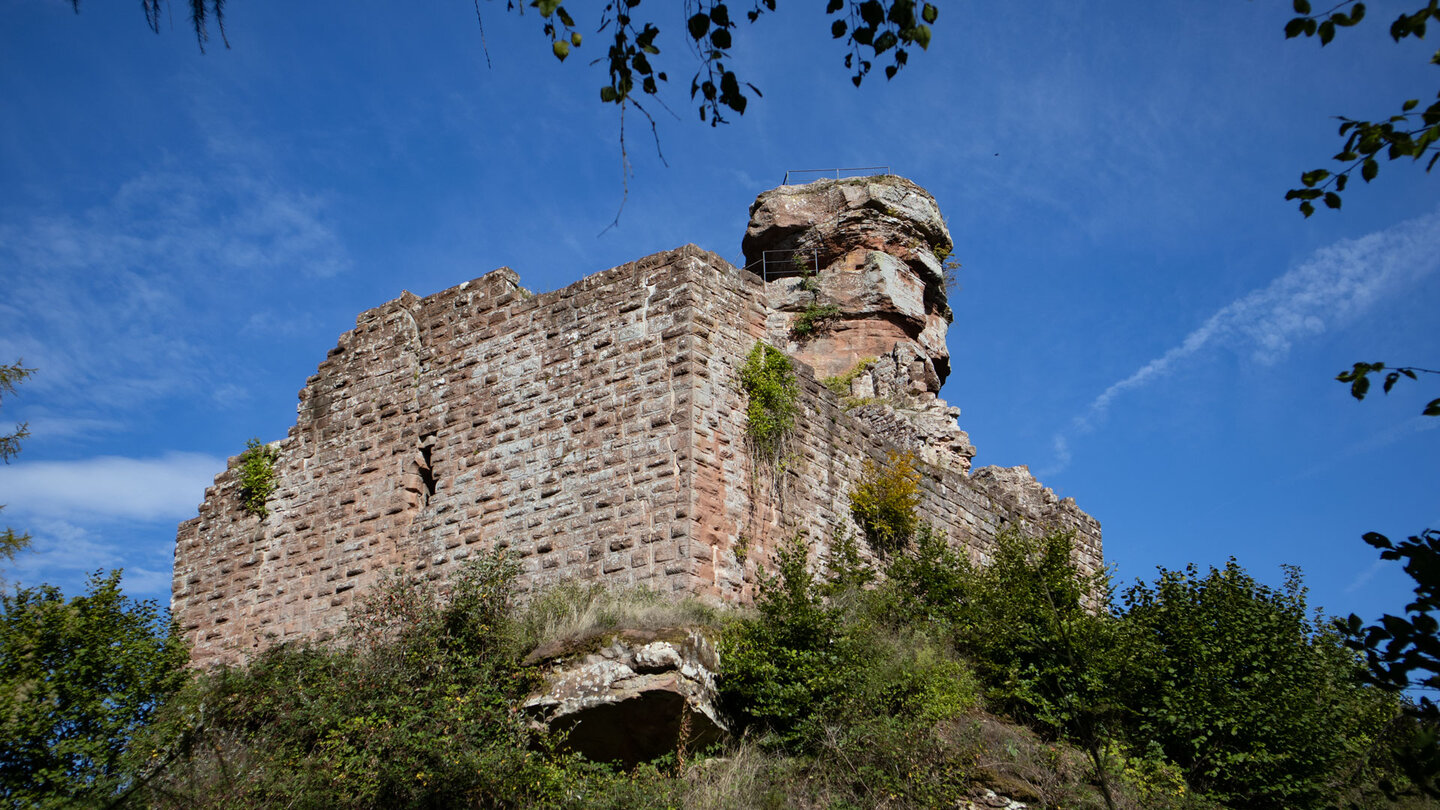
<point>78,679</point>
<point>883,501</point>
<point>1234,682</point>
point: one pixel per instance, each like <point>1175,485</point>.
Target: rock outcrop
<point>855,274</point>
<point>631,695</point>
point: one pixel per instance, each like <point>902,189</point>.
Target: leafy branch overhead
<point>1359,380</point>
<point>1411,133</point>
<point>872,31</point>
<point>869,28</point>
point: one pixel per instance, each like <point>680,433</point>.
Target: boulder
<point>629,696</point>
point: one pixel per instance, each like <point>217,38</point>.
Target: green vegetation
<point>868,29</point>
<point>1411,133</point>
<point>884,499</point>
<point>257,476</point>
<point>815,318</point>
<point>79,679</point>
<point>770,390</point>
<point>840,383</point>
<point>911,683</point>
<point>10,376</point>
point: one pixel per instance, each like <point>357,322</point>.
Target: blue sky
<point>1143,319</point>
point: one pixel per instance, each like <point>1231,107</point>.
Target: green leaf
<point>1433,408</point>
<point>1295,28</point>
<point>1409,105</point>
<point>1307,209</point>
<point>837,29</point>
<point>929,13</point>
<point>872,12</point>
<point>1314,176</point>
<point>565,18</point>
<point>1332,199</point>
<point>1369,169</point>
<point>1302,6</point>
<point>885,42</point>
<point>720,38</point>
<point>561,48</point>
<point>834,6</point>
<point>1360,387</point>
<point>698,25</point>
<point>608,94</point>
<point>1327,32</point>
<point>575,38</point>
<point>547,7</point>
<point>1341,180</point>
<point>921,35</point>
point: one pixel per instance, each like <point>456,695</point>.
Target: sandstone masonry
<point>598,431</point>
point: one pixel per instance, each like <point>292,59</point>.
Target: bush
<point>421,709</point>
<point>257,476</point>
<point>808,664</point>
<point>1232,680</point>
<point>815,318</point>
<point>883,501</point>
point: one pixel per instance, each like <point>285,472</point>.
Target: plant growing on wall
<point>769,385</point>
<point>257,476</point>
<point>840,383</point>
<point>815,318</point>
<point>883,501</point>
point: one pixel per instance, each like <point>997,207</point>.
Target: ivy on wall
<point>769,384</point>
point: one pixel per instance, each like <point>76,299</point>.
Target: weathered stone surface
<point>597,432</point>
<point>632,699</point>
<point>866,247</point>
<point>882,212</point>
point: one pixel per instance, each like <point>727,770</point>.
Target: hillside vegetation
<point>927,683</point>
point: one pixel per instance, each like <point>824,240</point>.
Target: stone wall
<point>597,431</point>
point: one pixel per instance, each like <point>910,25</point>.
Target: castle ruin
<point>598,431</point>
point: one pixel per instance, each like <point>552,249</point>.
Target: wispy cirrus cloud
<point>1334,286</point>
<point>116,303</point>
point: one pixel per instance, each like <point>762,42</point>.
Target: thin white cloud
<point>66,554</point>
<point>1333,287</point>
<point>108,488</point>
<point>118,303</point>
<point>1365,576</point>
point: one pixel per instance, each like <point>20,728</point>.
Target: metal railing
<point>862,171</point>
<point>781,263</point>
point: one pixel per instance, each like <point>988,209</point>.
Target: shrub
<point>769,384</point>
<point>257,476</point>
<point>819,662</point>
<point>1260,705</point>
<point>421,709</point>
<point>883,501</point>
<point>840,383</point>
<point>815,318</point>
<point>1043,657</point>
